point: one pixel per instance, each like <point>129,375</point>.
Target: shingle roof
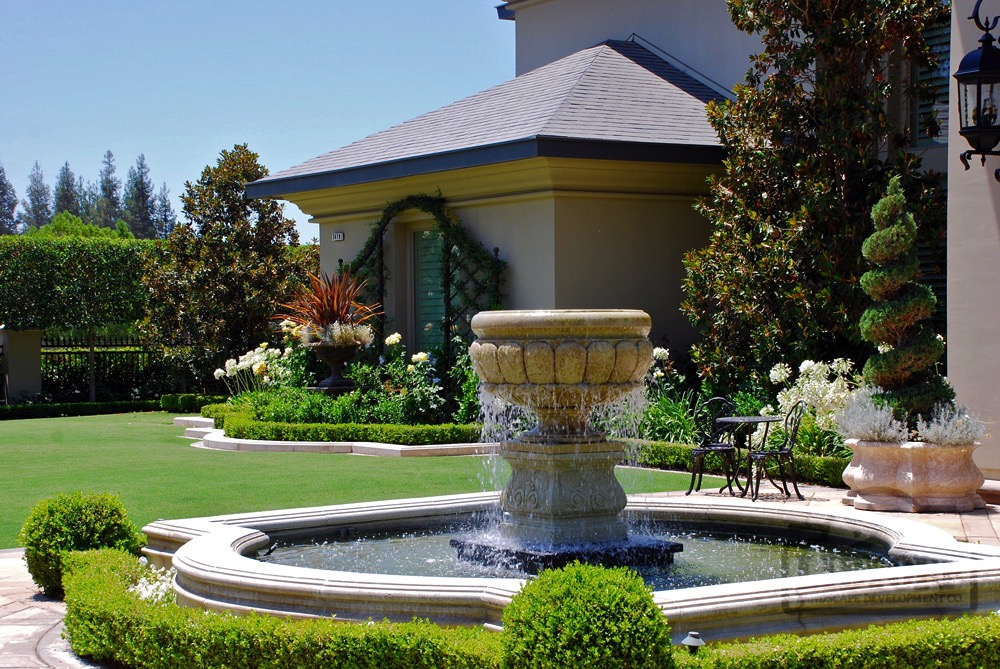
<point>616,100</point>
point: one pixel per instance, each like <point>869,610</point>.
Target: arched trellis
<point>472,278</point>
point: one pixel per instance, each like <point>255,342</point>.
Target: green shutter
<point>428,298</point>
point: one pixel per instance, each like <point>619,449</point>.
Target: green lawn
<point>144,459</point>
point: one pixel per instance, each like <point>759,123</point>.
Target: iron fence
<point>101,369</point>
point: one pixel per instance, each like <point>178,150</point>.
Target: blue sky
<point>180,80</point>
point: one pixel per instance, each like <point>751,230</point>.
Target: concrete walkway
<point>31,624</point>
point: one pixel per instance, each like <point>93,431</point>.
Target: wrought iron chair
<point>716,439</point>
<point>758,460</point>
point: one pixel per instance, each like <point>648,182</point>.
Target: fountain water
<point>562,501</point>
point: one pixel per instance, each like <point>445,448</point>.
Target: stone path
<point>31,624</point>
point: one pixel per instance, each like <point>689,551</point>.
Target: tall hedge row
<point>70,282</point>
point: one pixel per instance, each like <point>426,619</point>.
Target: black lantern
<point>978,79</point>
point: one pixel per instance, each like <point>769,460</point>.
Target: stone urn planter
<point>335,357</point>
<point>913,477</point>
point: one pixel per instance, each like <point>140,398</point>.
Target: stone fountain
<point>562,502</point>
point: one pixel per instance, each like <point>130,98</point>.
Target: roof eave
<point>534,147</point>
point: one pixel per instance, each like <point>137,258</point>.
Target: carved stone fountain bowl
<point>561,360</point>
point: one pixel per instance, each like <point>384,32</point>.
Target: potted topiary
<point>904,395</point>
<point>333,322</point>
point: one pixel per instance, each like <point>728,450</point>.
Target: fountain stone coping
<point>212,571</point>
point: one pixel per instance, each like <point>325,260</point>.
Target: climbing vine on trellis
<point>472,278</point>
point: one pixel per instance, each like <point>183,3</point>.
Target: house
<point>582,172</point>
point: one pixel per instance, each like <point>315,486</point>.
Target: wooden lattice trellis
<point>472,278</point>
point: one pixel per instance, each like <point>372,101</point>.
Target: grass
<point>143,459</point>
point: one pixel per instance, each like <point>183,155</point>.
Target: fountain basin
<point>215,572</point>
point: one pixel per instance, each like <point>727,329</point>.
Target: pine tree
<point>139,203</point>
<point>66,197</point>
<point>37,205</point>
<point>164,218</point>
<point>108,205</point>
<point>88,201</point>
<point>8,205</point>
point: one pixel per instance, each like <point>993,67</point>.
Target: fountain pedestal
<point>563,501</point>
<point>563,493</point>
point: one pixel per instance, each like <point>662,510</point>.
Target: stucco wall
<point>700,33</point>
<point>626,253</point>
<point>974,270</point>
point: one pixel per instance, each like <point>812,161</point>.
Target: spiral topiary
<point>908,347</point>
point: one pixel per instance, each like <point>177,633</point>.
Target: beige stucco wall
<point>22,363</point>
<point>577,242</point>
<point>699,33</point>
<point>974,270</point>
<point>625,252</point>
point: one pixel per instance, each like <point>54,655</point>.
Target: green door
<point>428,298</point>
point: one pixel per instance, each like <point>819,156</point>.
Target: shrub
<point>967,643</point>
<point>820,470</point>
<point>899,321</point>
<point>241,426</point>
<point>60,409</point>
<point>73,522</point>
<point>218,412</point>
<point>585,616</point>
<point>106,621</point>
<point>188,402</point>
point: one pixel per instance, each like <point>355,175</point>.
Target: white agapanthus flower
<point>660,353</point>
<point>780,373</point>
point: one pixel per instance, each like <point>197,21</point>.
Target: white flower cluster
<point>660,354</point>
<point>393,339</point>
<point>861,418</point>
<point>156,585</point>
<point>824,387</point>
<point>256,369</point>
<point>951,426</point>
<point>339,334</point>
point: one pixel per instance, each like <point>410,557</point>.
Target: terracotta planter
<point>335,357</point>
<point>913,477</point>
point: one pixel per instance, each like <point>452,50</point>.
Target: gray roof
<point>616,100</point>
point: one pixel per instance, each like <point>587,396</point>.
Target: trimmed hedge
<point>71,282</point>
<point>106,622</point>
<point>16,411</point>
<point>188,402</point>
<point>823,471</point>
<point>970,642</point>
<point>241,426</point>
<point>218,412</point>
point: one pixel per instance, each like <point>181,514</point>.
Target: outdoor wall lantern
<point>978,79</point>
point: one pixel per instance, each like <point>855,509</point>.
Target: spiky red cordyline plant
<point>328,300</point>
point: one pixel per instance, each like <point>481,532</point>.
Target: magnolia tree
<point>809,145</point>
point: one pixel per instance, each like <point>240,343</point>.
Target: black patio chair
<point>717,439</point>
<point>758,460</point>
